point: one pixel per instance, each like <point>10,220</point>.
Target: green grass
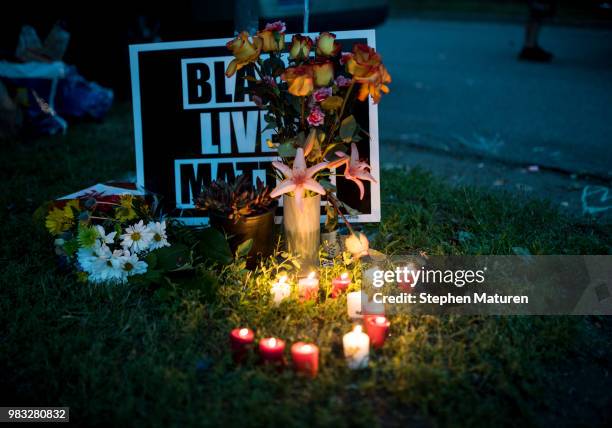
<point>121,356</point>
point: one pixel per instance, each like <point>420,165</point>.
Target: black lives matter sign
<point>192,125</point>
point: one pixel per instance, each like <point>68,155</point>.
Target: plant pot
<point>259,228</point>
<point>303,230</point>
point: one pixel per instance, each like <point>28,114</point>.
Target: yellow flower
<point>367,68</point>
<point>244,51</point>
<point>300,47</point>
<point>323,73</point>
<point>300,80</point>
<point>126,211</point>
<point>61,219</point>
<point>272,40</point>
<point>327,44</point>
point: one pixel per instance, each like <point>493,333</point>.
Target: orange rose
<point>300,47</point>
<point>244,51</point>
<point>327,44</point>
<point>323,73</point>
<point>366,67</point>
<point>273,41</point>
<point>300,80</point>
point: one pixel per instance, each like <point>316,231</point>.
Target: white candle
<point>280,290</point>
<point>309,287</point>
<point>356,348</point>
<point>354,302</point>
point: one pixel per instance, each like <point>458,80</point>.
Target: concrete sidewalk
<point>460,97</point>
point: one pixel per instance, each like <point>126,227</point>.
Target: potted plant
<point>309,101</point>
<point>241,211</point>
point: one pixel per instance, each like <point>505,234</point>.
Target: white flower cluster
<point>104,263</point>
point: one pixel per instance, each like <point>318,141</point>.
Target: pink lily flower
<point>299,178</point>
<point>356,170</point>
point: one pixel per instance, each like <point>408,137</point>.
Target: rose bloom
<point>323,73</point>
<point>316,117</point>
<point>366,67</point>
<point>300,47</point>
<point>327,44</point>
<point>322,94</point>
<point>300,80</point>
<point>244,52</point>
<point>276,26</point>
<point>342,81</point>
<point>272,40</point>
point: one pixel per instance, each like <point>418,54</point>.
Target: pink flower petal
<point>299,163</point>
<point>283,168</point>
<point>284,186</point>
<point>314,169</point>
<point>311,184</point>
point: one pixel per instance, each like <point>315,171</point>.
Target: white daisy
<point>107,268</point>
<point>160,239</point>
<point>131,265</point>
<point>105,238</point>
<point>137,237</point>
<point>86,257</point>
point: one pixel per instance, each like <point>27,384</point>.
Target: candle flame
<point>345,275</point>
<point>380,320</point>
<point>306,348</point>
<point>272,342</point>
<point>357,329</point>
<point>243,332</point>
<point>311,275</point>
<point>282,279</point>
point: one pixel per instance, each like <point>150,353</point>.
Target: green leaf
<point>327,185</point>
<point>213,246</point>
<point>286,150</point>
<point>171,258</point>
<point>332,103</point>
<point>244,248</point>
<point>348,128</point>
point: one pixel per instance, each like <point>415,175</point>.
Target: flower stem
<point>332,200</point>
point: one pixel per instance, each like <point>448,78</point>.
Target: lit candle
<point>305,358</point>
<point>377,328</point>
<point>406,278</point>
<point>271,349</point>
<point>356,348</point>
<point>340,284</point>
<point>354,302</point>
<point>241,340</point>
<point>280,290</point>
<point>308,287</point>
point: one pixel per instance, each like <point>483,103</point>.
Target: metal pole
<point>306,13</point>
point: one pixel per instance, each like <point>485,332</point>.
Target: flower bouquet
<point>309,88</point>
<point>116,239</point>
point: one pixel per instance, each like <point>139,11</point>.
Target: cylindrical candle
<point>271,349</point>
<point>340,284</point>
<point>305,358</point>
<point>354,301</point>
<point>356,348</point>
<point>241,340</point>
<point>372,309</point>
<point>377,328</point>
<point>280,290</point>
<point>405,279</point>
<point>309,287</point>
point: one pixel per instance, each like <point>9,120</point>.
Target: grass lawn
<point>122,356</point>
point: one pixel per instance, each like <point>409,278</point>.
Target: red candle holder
<point>305,358</point>
<point>271,350</point>
<point>377,328</point>
<point>241,340</point>
<point>340,284</point>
